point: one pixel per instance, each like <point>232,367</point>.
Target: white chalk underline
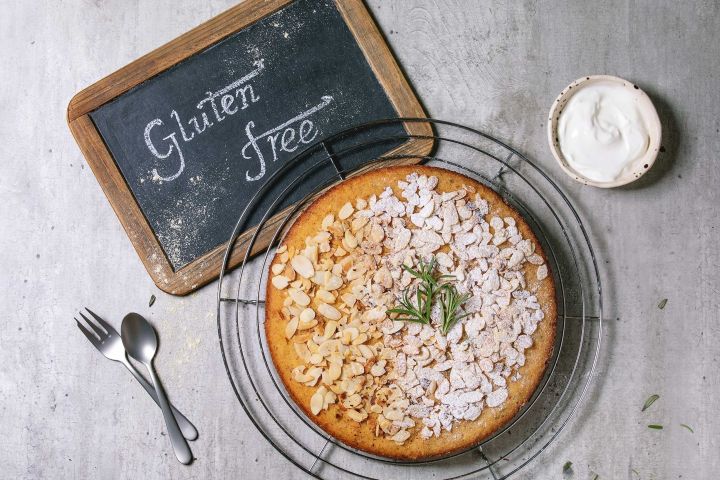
<point>235,84</point>
<point>326,100</point>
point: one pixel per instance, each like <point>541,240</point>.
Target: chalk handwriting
<point>164,140</point>
<point>286,137</point>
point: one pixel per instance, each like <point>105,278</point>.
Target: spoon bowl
<point>139,338</point>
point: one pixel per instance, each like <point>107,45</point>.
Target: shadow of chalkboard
<point>194,142</point>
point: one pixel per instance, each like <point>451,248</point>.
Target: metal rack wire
<point>240,312</point>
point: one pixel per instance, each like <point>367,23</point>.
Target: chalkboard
<point>195,141</point>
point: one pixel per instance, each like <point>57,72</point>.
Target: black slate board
<point>299,67</point>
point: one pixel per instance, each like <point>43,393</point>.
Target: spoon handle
<point>188,429</point>
<point>182,449</point>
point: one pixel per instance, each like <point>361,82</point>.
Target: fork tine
<point>100,332</point>
<point>108,328</point>
<point>93,339</point>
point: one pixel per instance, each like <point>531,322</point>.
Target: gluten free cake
<point>419,387</point>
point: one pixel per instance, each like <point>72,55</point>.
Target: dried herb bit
<point>688,427</point>
<point>152,301</point>
<point>596,477</point>
<point>655,426</point>
<point>662,303</point>
<point>450,301</point>
<point>651,399</point>
<point>635,472</point>
<point>567,467</point>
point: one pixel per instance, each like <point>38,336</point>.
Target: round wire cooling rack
<point>522,184</point>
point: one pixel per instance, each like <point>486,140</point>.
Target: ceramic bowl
<point>647,111</point>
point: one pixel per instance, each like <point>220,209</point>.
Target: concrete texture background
<point>68,413</point>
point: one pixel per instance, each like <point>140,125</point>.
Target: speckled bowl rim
<point>647,110</point>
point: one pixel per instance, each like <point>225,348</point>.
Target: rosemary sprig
<point>430,288</point>
<point>411,312</point>
<point>451,300</point>
<point>420,311</point>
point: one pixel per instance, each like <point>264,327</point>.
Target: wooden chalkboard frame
<point>207,267</point>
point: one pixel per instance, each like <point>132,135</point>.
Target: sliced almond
<point>392,414</point>
<point>377,234</point>
<point>317,401</point>
<point>299,297</point>
<point>349,241</point>
<point>346,211</point>
<point>366,351</point>
<point>330,328</point>
<point>307,325</point>
<point>402,239</point>
<point>349,334</point>
<point>303,266</point>
<point>311,252</point>
<point>355,415</point>
<point>333,282</point>
<point>307,315</point>
<point>327,221</point>
<point>329,399</point>
<point>427,209</point>
<point>280,282</point>
<point>328,311</point>
<point>352,401</point>
<point>327,347</point>
<point>378,369</point>
<point>348,298</point>
<point>358,223</point>
<point>401,436</point>
<point>334,372</point>
<point>542,272</point>
<point>291,327</point>
<point>325,296</point>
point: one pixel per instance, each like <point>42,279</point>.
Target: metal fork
<point>110,344</point>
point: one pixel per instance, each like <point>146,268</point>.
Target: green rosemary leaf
<point>651,399</point>
<point>430,288</point>
<point>450,300</point>
<point>688,427</point>
<point>635,472</point>
<point>152,301</point>
<point>596,477</point>
<point>662,303</point>
<point>655,426</point>
<point>567,467</point>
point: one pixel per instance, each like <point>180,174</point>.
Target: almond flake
<point>280,282</point>
<point>291,327</point>
<point>328,311</point>
<point>542,272</point>
<point>299,297</point>
<point>346,211</point>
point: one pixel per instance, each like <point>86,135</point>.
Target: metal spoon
<point>140,341</point>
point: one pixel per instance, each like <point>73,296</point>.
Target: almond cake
<point>404,389</point>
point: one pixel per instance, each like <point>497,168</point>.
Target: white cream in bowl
<point>604,131</point>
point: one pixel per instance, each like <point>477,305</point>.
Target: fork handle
<point>188,429</point>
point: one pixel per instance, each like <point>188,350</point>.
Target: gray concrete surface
<point>68,413</point>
